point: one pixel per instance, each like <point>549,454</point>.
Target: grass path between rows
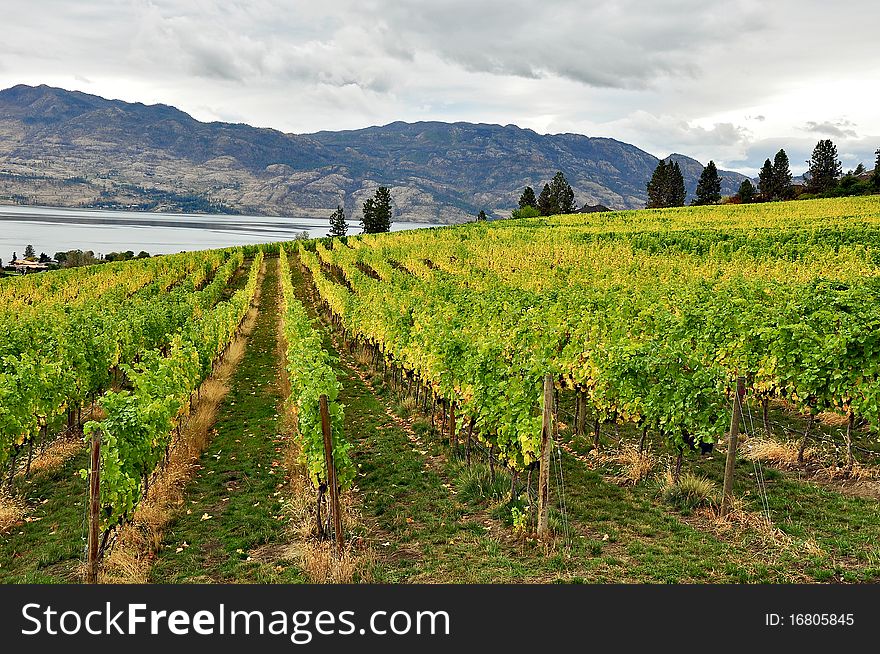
<point>233,508</point>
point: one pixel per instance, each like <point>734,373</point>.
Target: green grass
<point>49,548</point>
<point>241,480</point>
<point>846,528</point>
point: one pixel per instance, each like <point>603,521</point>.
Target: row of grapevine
<point>649,321</point>
<point>139,423</point>
<point>76,285</point>
<point>58,356</point>
<point>311,374</point>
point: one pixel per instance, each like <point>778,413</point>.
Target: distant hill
<point>68,148</point>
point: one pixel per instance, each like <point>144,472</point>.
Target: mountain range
<point>68,148</point>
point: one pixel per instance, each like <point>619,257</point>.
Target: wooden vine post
<point>453,438</point>
<point>331,473</point>
<point>94,508</point>
<point>732,441</point>
<point>544,461</point>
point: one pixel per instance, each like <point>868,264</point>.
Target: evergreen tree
<point>368,222</point>
<point>29,252</point>
<point>860,170</point>
<point>675,193</point>
<point>545,202</point>
<point>656,197</point>
<point>377,212</point>
<point>481,217</point>
<point>562,195</point>
<point>338,225</point>
<point>528,199</point>
<point>384,209</point>
<point>709,186</point>
<point>825,168</point>
<point>14,258</point>
<point>557,197</point>
<point>782,177</point>
<point>746,191</point>
<point>765,182</point>
<point>666,187</point>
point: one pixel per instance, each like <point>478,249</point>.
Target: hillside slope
<point>68,148</point>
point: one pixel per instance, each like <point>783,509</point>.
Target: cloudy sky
<point>732,81</point>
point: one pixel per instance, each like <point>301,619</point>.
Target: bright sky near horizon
<point>731,81</point>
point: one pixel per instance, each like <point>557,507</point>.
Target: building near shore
<point>24,266</point>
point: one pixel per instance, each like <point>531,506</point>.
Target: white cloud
<point>710,81</point>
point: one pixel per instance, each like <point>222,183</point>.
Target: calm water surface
<point>52,230</point>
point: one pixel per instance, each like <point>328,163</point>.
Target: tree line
<point>824,178</point>
<point>72,258</point>
<point>557,197</point>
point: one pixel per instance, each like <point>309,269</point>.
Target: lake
<point>51,230</point>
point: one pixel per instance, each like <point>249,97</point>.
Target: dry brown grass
<point>322,566</point>
<point>635,466</point>
<point>12,511</point>
<point>315,557</point>
<point>57,452</point>
<point>129,559</point>
<point>363,357</point>
<point>782,454</point>
<point>740,521</point>
<point>858,472</point>
<point>833,418</point>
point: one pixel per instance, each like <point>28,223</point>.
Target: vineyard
<point>550,399</point>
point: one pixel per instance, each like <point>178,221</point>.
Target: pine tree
<point>782,189</point>
<point>384,210</point>
<point>29,252</point>
<point>562,195</point>
<point>338,225</point>
<point>545,202</point>
<point>377,212</point>
<point>481,217</point>
<point>368,222</point>
<point>746,191</point>
<point>709,186</point>
<point>675,191</point>
<point>528,199</point>
<point>825,168</point>
<point>765,182</point>
<point>656,197</point>
<point>556,198</point>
